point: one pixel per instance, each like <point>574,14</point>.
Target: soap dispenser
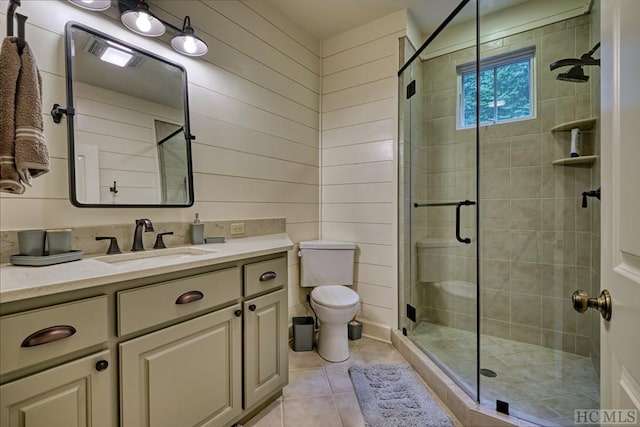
<point>197,231</point>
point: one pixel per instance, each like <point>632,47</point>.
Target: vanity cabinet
<point>75,394</point>
<point>205,347</point>
<point>185,375</point>
<point>265,329</point>
<point>265,343</point>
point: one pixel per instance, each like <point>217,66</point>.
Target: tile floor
<point>320,393</point>
<point>542,385</point>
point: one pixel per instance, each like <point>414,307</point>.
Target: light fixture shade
<point>96,5</point>
<point>140,21</point>
<point>187,43</point>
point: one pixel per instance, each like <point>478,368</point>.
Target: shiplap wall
<point>359,170</point>
<point>254,104</point>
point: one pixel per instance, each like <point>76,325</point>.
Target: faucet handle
<point>159,242</point>
<point>113,246</point>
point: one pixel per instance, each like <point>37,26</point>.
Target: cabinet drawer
<point>151,305</point>
<point>265,275</point>
<point>36,336</point>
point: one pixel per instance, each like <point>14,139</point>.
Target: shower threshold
<point>542,385</point>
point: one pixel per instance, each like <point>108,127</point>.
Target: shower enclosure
<point>494,235</point>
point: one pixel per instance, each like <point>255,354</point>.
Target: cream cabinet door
<point>76,394</point>
<point>265,344</point>
<point>185,375</point>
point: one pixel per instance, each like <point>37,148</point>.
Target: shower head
<point>586,59</point>
<point>575,74</point>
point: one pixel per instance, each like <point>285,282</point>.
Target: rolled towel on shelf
<point>9,72</point>
<point>31,154</point>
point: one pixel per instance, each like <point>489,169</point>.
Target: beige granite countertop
<point>18,283</point>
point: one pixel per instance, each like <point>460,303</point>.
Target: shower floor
<point>540,384</point>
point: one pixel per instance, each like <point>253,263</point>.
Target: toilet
<point>328,268</point>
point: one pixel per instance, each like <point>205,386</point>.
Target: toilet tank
<point>323,262</point>
<point>436,259</point>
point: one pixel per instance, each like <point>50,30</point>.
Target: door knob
<point>581,302</point>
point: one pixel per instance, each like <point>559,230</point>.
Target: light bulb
<point>87,1</point>
<point>143,22</point>
<point>190,44</point>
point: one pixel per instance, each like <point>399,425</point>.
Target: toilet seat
<point>334,296</point>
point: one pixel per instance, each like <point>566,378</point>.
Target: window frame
<point>493,62</point>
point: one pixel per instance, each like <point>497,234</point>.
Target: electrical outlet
<point>237,228</point>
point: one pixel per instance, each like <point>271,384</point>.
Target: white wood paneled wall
<point>254,104</point>
<point>359,152</point>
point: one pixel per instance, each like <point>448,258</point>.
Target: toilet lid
<point>334,296</point>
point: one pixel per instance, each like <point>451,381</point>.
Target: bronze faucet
<point>137,234</point>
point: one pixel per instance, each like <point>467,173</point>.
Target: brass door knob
<point>581,302</point>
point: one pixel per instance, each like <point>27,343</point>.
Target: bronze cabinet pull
<point>47,335</point>
<point>238,313</point>
<point>190,296</point>
<point>252,307</point>
<point>101,365</point>
<point>269,275</point>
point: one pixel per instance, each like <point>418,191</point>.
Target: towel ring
<point>57,112</point>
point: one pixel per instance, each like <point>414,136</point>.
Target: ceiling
<point>327,18</point>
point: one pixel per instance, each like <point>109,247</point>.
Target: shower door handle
<point>464,240</point>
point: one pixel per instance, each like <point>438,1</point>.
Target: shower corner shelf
<point>582,124</point>
<point>571,161</point>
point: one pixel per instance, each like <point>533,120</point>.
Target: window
<point>506,89</point>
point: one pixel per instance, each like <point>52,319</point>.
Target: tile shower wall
<point>359,122</point>
<point>254,104</point>
<point>536,241</point>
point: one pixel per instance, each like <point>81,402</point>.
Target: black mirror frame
<point>70,129</point>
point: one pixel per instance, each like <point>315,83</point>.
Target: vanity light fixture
<point>135,15</point>
<point>96,5</point>
<point>187,43</point>
<point>141,21</point>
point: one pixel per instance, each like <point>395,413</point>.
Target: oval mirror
<point>129,137</point>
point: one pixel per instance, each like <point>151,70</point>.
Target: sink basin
<point>153,256</point>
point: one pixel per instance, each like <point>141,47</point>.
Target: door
<point>76,394</point>
<point>184,375</point>
<point>620,340</point>
<point>265,345</point>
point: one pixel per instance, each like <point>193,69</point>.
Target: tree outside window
<point>505,90</point>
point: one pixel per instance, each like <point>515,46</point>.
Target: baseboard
<point>376,331</point>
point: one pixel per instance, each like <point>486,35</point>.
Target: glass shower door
<point>439,209</point>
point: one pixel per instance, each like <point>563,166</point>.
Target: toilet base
<point>333,342</point>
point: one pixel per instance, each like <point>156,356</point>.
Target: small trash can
<point>303,333</point>
<point>355,330</point>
